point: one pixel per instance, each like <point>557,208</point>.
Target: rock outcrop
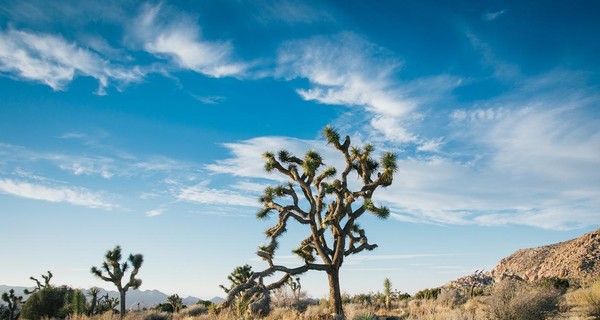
<point>575,259</point>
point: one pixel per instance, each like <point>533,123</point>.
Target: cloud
<point>74,196</point>
<point>490,16</point>
<point>527,157</point>
<point>175,36</point>
<point>209,99</point>
<point>155,212</point>
<point>247,161</point>
<point>52,60</point>
<point>201,193</point>
<point>292,12</point>
<point>346,69</point>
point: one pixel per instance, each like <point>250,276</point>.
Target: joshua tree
<point>176,302</point>
<point>115,272</point>
<point>387,291</point>
<point>296,287</point>
<point>322,201</point>
<point>93,292</point>
<point>239,276</point>
<point>476,280</point>
<point>13,302</point>
<point>38,285</point>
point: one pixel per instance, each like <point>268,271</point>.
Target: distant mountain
<point>135,298</point>
<point>189,301</point>
<point>216,300</point>
<point>575,259</point>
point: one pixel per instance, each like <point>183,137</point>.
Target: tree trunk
<point>93,305</point>
<point>335,296</point>
<point>122,302</point>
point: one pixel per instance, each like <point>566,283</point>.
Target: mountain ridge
<point>145,298</point>
<point>576,259</point>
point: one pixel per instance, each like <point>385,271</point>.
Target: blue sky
<point>142,124</point>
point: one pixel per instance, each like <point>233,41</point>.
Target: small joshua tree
<point>387,291</point>
<point>115,270</point>
<point>38,285</point>
<point>296,287</point>
<point>176,302</point>
<point>93,292</point>
<point>476,280</point>
<point>239,276</point>
<point>323,202</point>
<point>13,302</point>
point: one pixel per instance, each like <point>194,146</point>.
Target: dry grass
<point>586,300</point>
<point>527,302</point>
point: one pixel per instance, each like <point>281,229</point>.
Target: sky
<point>142,124</point>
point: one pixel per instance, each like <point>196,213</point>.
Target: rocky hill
<point>574,259</point>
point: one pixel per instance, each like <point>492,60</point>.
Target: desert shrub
<point>205,303</point>
<point>555,282</point>
<point>450,297</point>
<point>428,293</point>
<point>47,303</point>
<point>515,301</point>
<point>193,311</point>
<point>315,312</point>
<point>153,315</point>
<point>588,299</point>
<point>365,316</point>
<point>4,312</point>
<point>164,307</point>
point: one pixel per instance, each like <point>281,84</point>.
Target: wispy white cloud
<point>292,12</point>
<point>176,36</point>
<point>527,157</point>
<point>247,161</point>
<point>346,69</point>
<point>202,193</point>
<point>70,195</point>
<point>209,99</point>
<point>503,70</point>
<point>155,212</point>
<point>490,16</point>
<point>52,60</point>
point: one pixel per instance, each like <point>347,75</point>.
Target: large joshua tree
<point>319,198</point>
<point>115,270</point>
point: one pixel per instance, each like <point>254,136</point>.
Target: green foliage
<point>78,303</point>
<point>555,282</point>
<point>387,292</point>
<point>50,302</point>
<point>164,307</point>
<point>176,302</point>
<point>428,294</point>
<point>332,136</point>
<point>239,275</point>
<point>205,303</point>
<point>13,301</point>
